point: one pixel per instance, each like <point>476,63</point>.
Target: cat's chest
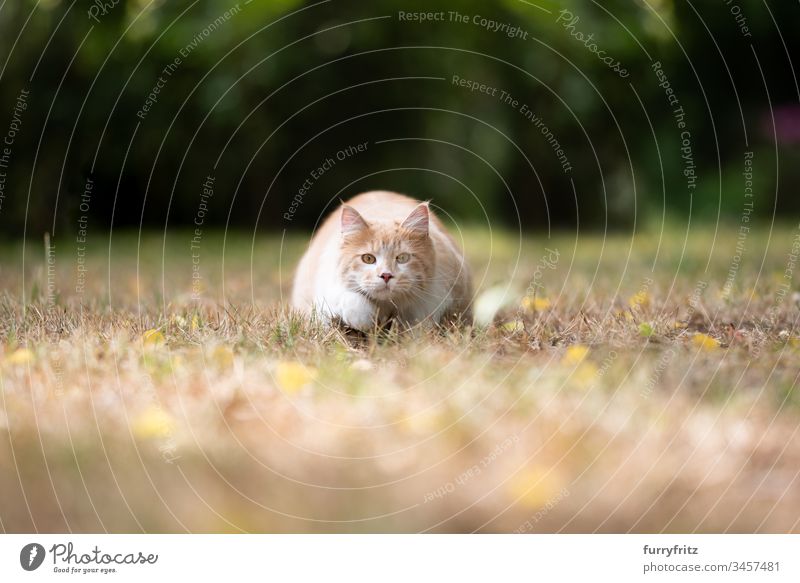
<point>432,303</point>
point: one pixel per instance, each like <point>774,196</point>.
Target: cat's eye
<point>403,258</point>
<point>368,258</point>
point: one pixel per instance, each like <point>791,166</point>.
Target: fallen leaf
<point>575,354</point>
<point>514,326</point>
<point>292,376</point>
<point>153,338</point>
<point>425,422</point>
<point>535,304</point>
<point>645,330</point>
<point>641,299</point>
<point>534,487</point>
<point>585,374</point>
<point>153,423</point>
<point>19,357</point>
<point>705,342</point>
<point>176,362</point>
<point>626,313</point>
<point>222,356</point>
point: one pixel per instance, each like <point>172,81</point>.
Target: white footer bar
<point>401,558</point>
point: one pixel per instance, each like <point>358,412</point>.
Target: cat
<point>383,257</point>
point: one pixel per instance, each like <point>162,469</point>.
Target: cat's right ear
<point>352,221</point>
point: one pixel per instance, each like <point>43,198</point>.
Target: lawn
<point>641,383</point>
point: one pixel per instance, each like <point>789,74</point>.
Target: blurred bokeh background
<point>264,92</point>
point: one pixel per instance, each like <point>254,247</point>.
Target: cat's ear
<point>417,221</point>
<point>352,221</point>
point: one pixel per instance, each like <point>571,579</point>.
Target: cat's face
<point>387,263</point>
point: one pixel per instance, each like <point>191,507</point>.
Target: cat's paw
<point>357,312</point>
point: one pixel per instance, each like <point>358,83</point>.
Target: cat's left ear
<point>417,222</point>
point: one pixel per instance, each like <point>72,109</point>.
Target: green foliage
<point>264,97</point>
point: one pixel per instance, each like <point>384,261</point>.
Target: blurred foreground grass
<point>628,383</point>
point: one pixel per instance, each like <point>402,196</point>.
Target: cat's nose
<point>386,276</point>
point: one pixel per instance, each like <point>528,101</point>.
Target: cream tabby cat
<point>383,256</point>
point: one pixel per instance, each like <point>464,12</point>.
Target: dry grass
<point>643,398</point>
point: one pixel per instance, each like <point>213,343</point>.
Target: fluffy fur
<point>383,257</point>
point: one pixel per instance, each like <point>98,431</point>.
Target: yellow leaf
<point>575,354</point>
<point>514,326</point>
<point>153,338</point>
<point>195,323</point>
<point>425,422</point>
<point>626,313</point>
<point>222,356</point>
<point>153,423</point>
<point>20,356</point>
<point>585,374</point>
<point>534,487</point>
<point>705,342</point>
<point>641,299</point>
<point>293,376</point>
<point>535,304</point>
